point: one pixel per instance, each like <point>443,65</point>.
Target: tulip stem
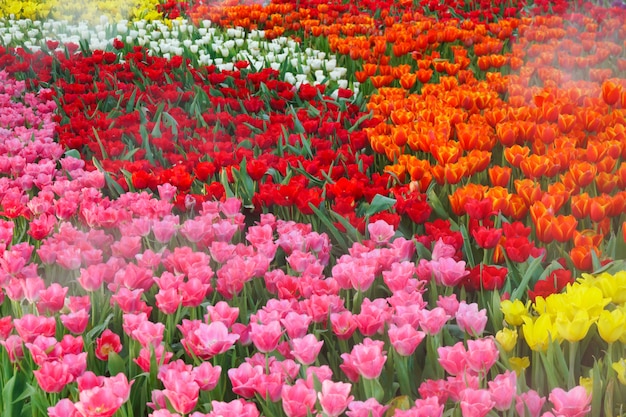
<point>573,350</point>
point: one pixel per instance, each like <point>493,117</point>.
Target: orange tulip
<point>407,81</point>
<point>583,173</point>
<point>606,182</point>
<point>619,202</point>
<point>402,117</point>
<point>446,154</point>
<point>499,197</point>
<point>517,208</point>
<point>417,168</point>
<point>535,166</point>
<point>566,122</point>
<point>529,190</point>
<point>507,133</point>
<point>606,164</point>
<point>587,238</point>
<point>397,170</point>
<point>581,257</point>
<point>516,154</point>
<point>599,207</point>
<point>580,205</point>
<point>424,75</point>
<point>543,228</point>
<point>546,133</point>
<point>563,228</point>
<point>611,92</point>
<point>499,176</point>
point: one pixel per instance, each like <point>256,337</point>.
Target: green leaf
<point>73,153</point>
<point>359,121</point>
<point>116,364</point>
<point>13,395</point>
<point>523,285</point>
<point>332,229</point>
<point>112,184</point>
<point>379,203</point>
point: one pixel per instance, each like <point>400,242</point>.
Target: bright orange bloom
<point>529,190</point>
<point>587,237</point>
<point>424,75</point>
<point>563,228</point>
<point>583,173</point>
<point>379,81</point>
<point>446,153</point>
<point>546,133</point>
<point>606,164</point>
<point>611,92</point>
<point>581,204</point>
<point>581,257</point>
<point>517,208</point>
<point>535,166</point>
<point>516,154</point>
<point>499,197</point>
<point>407,81</point>
<point>508,133</point>
<point>402,117</point>
<point>566,122</point>
<point>606,182</point>
<point>499,176</point>
<point>599,207</point>
<point>397,170</point>
<point>543,228</point>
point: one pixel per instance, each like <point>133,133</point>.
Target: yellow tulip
<point>573,328</point>
<point>519,364</point>
<point>620,368</point>
<point>611,325</point>
<point>513,311</point>
<point>507,338</point>
<point>538,333</point>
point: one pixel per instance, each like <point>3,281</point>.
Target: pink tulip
<point>222,312</point>
<point>503,389</point>
<point>64,408</point>
<point>161,357</point>
<point>481,354</point>
<point>335,397</point>
<point>53,376</point>
<point>92,277</point>
<point>374,316</point>
<point>450,304</point>
<point>319,374</point>
<point>369,408</point>
<point>298,399</point>
<point>75,322</point>
<point>453,358</point>
<point>31,326</point>
<point>194,292</point>
<point>476,402</point>
<point>306,349</point>
<point>246,379</point>
<point>52,299</point>
<point>448,272</point>
<point>343,324</point>
<point>405,339</point>
<point>380,232</point>
<point>428,407</point>
<point>432,321</point>
<point>101,402</point>
<point>470,319</point>
<point>239,408</point>
<point>168,300</point>
<point>397,278</point>
<point>529,404</point>
<point>207,376</point>
<point>107,342</point>
<point>206,340</point>
<point>266,336</point>
<point>368,358</point>
<point>573,403</point>
<point>149,333</point>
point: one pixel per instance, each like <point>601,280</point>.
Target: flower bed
<point>303,209</point>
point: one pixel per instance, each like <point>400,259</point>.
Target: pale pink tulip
<point>298,399</point>
<point>476,402</point>
<point>573,403</point>
<point>405,339</point>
